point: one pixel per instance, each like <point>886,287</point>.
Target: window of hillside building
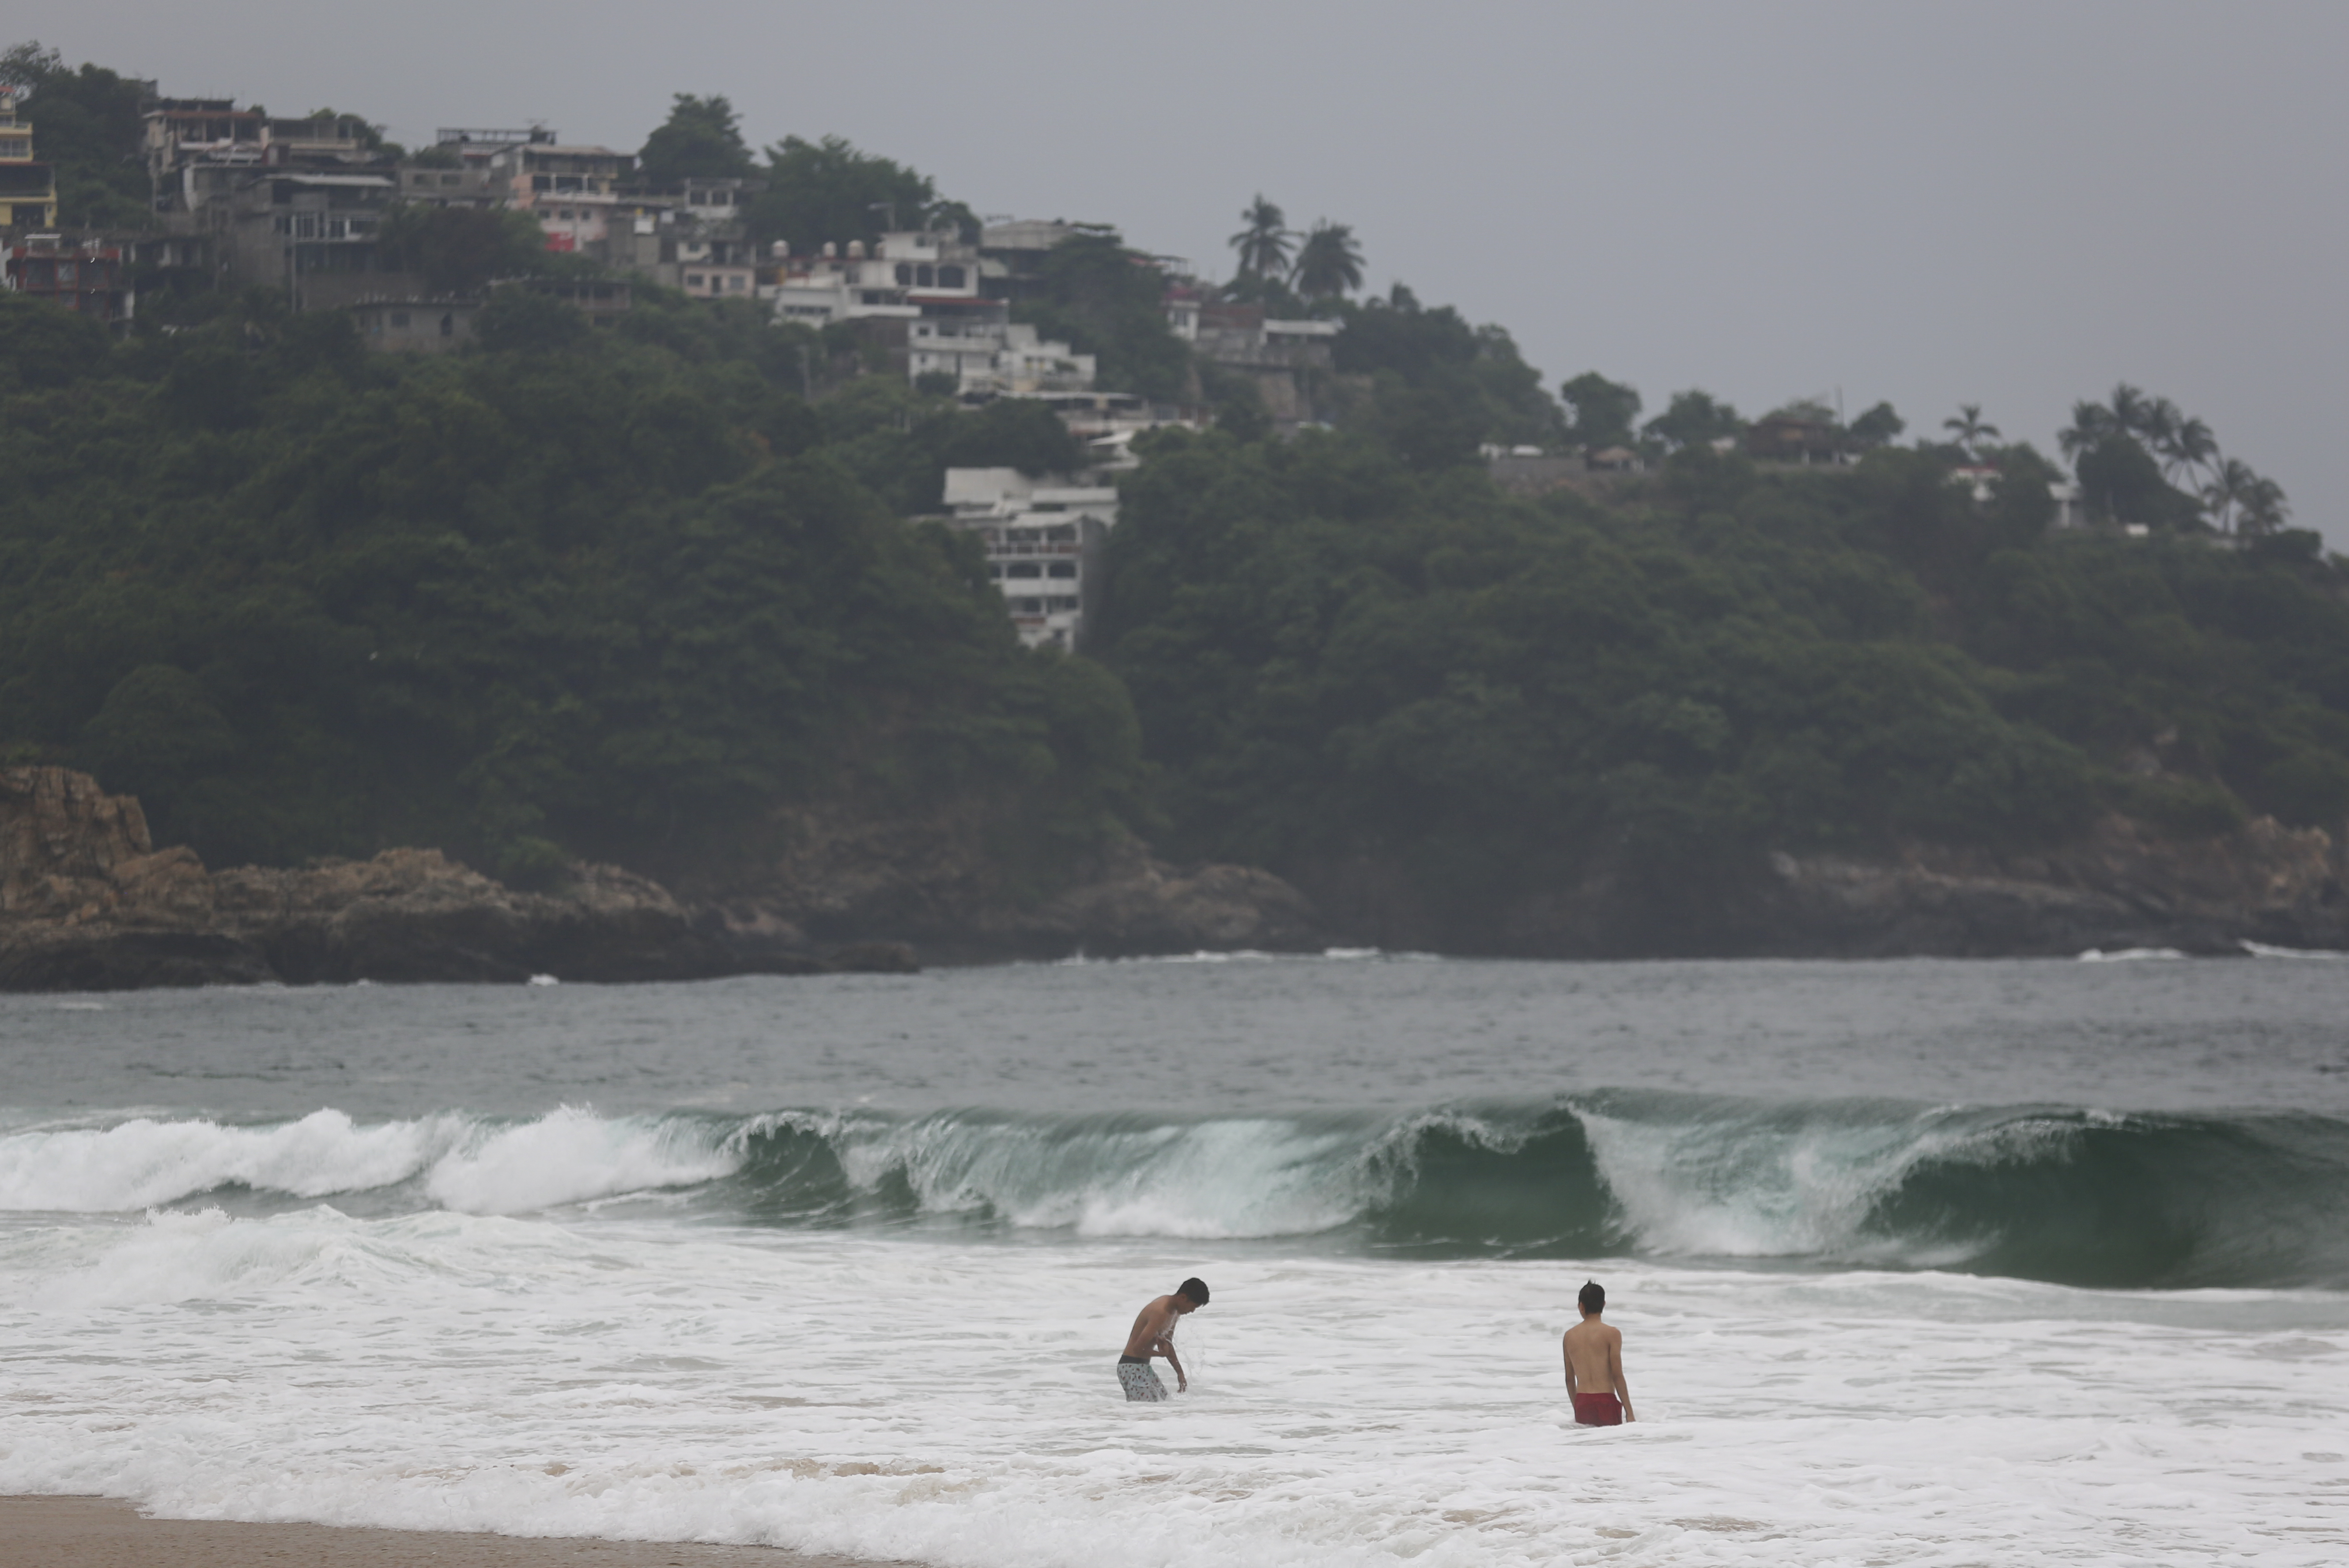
<point>1063,569</point>
<point>67,275</point>
<point>693,280</point>
<point>904,274</point>
<point>541,182</point>
<point>451,179</point>
<point>926,277</point>
<point>448,326</point>
<point>950,278</point>
<point>1025,569</point>
<point>399,319</point>
<point>737,283</point>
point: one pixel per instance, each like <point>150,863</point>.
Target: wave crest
<point>2045,1192</point>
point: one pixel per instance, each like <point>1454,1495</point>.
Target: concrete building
<point>404,325</point>
<point>903,275</point>
<point>1015,251</point>
<point>89,277</point>
<point>1292,362</point>
<point>184,133</point>
<point>1044,540</point>
<point>28,188</point>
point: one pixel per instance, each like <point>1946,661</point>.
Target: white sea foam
<point>2267,951</point>
<point>2129,955</point>
<point>569,1156</point>
<point>139,1163</point>
<point>954,1402</point>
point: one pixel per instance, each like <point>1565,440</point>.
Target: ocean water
<point>1915,1263</point>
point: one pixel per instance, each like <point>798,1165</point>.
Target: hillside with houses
<point>776,525</point>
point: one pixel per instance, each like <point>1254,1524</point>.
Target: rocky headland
<point>2119,886</point>
<point>87,903</point>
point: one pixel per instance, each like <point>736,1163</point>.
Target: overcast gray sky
<point>2015,204</point>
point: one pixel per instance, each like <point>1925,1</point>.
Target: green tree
<point>1328,262</point>
<point>825,193</point>
<point>1878,426</point>
<point>1604,412</point>
<point>43,346</point>
<point>701,139</point>
<point>1477,369</point>
<point>1692,419</point>
<point>88,125</point>
<point>1263,244</point>
<point>460,249</point>
<point>1108,300</point>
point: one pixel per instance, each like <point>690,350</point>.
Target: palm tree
<point>2264,509</point>
<point>1264,243</point>
<point>2191,445</point>
<point>2092,424</point>
<point>2129,408</point>
<point>2230,486</point>
<point>1971,431</point>
<point>1328,263</point>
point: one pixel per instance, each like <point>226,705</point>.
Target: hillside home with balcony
<point>28,188</point>
<point>1044,541</point>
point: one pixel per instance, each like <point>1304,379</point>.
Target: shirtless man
<point>1594,1365</point>
<point>1153,1334</point>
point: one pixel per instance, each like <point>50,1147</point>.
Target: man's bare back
<point>1594,1366</point>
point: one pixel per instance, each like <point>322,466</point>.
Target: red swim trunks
<point>1598,1410</point>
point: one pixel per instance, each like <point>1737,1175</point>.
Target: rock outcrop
<point>87,903</point>
<point>2120,885</point>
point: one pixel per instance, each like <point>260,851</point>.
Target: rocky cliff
<point>2121,885</point>
<point>87,902</point>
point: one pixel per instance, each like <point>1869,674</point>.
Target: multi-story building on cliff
<point>28,188</point>
<point>1044,541</point>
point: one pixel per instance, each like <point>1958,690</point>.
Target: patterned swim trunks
<point>1140,1383</point>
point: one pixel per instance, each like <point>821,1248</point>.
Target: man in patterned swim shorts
<point>1153,1334</point>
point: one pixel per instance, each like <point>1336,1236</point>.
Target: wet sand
<point>105,1532</point>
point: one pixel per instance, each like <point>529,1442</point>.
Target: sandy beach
<point>106,1532</point>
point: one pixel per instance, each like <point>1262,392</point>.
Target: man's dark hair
<point>1197,1288</point>
<point>1593,1297</point>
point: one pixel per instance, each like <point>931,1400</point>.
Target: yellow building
<point>29,190</point>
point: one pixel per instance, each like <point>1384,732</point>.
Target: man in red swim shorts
<point>1594,1365</point>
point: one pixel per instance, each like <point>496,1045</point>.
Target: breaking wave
<point>2046,1192</point>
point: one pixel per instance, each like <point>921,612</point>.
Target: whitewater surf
<point>1915,1263</point>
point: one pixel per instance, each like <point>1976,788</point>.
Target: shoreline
<point>84,1532</point>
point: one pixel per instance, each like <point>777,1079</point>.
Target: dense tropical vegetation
<point>1340,657</point>
<point>626,593</point>
<point>614,593</point>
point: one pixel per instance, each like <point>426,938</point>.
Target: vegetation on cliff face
<point>1340,657</point>
<point>614,594</point>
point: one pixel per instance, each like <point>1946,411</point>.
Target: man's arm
<point>1166,1347</point>
<point>1615,1370</point>
<point>1566,1348</point>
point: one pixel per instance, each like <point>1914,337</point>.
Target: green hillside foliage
<point>1340,655</point>
<point>1441,387</point>
<point>87,126</point>
<point>619,594</point>
<point>1105,300</point>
